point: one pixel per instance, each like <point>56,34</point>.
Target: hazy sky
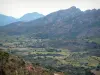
<point>17,8</point>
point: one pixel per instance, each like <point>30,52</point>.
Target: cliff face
<point>13,65</point>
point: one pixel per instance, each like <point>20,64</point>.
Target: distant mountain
<point>4,20</point>
<point>31,16</point>
<point>69,23</point>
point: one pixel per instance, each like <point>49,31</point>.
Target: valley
<point>66,42</point>
<point>56,55</point>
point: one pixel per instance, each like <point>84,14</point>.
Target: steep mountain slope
<point>30,16</point>
<point>4,20</point>
<point>69,23</point>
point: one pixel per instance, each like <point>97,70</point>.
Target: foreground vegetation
<point>72,57</point>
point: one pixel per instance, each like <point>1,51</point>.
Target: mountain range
<point>68,23</point>
<point>4,20</point>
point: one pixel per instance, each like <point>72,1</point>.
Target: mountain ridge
<point>68,23</point>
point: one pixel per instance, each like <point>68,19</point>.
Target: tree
<point>98,67</point>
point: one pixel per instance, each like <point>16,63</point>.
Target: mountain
<point>68,23</point>
<point>4,20</point>
<point>31,16</point>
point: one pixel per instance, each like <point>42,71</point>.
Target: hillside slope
<point>13,65</point>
